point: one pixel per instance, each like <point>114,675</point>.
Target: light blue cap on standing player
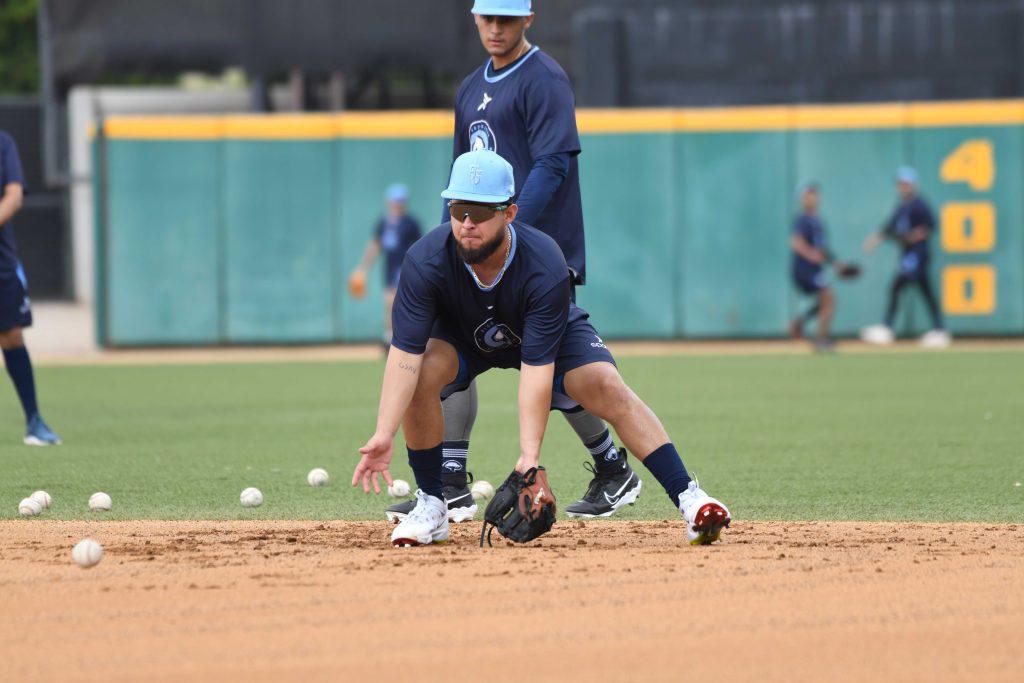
<point>905,174</point>
<point>481,176</point>
<point>397,193</point>
<point>503,8</point>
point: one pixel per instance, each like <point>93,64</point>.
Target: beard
<point>481,253</point>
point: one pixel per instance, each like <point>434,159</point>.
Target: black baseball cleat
<point>461,506</point>
<point>608,491</point>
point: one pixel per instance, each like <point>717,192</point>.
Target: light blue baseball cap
<point>905,174</point>
<point>503,8</point>
<point>397,193</point>
<point>481,176</point>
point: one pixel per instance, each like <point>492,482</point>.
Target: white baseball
<point>43,498</point>
<point>399,489</point>
<point>87,553</point>
<point>29,507</point>
<point>251,498</point>
<point>99,502</point>
<point>318,477</point>
<point>482,490</point>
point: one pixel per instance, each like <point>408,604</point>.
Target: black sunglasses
<point>478,213</point>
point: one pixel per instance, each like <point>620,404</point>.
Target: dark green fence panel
<point>737,201</point>
<point>278,250</point>
<point>628,184</point>
<point>161,242</point>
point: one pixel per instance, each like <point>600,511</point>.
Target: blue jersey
<point>10,172</point>
<point>519,319</point>
<point>909,215</point>
<point>395,238</point>
<point>523,112</point>
<point>811,229</point>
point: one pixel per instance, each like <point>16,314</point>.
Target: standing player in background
<point>520,104</point>
<point>911,225</point>
<point>810,256</point>
<point>15,308</point>
<point>396,232</point>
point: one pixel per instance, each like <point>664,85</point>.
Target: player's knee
<point>437,370</point>
<point>613,393</point>
<point>12,338</point>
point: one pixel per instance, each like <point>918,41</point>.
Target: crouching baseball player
<point>481,292</point>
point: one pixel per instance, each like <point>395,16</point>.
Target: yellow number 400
<point>973,163</point>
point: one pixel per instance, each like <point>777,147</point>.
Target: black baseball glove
<point>848,271</point>
<point>522,509</point>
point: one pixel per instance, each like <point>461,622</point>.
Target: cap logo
<point>475,174</point>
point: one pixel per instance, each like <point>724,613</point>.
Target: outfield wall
<point>242,229</point>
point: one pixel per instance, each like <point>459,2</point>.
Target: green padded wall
<point>162,244</point>
<point>278,247</point>
<point>249,236</point>
<point>733,279</point>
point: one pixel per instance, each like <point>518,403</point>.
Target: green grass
<point>866,437</point>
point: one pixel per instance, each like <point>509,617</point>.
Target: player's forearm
<point>401,375</point>
<point>534,406</point>
<point>805,250</point>
<point>10,204</point>
<point>369,255</point>
<point>540,186</point>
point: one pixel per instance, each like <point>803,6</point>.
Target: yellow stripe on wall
<point>439,124</point>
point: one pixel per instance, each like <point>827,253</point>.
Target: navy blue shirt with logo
<point>812,230</point>
<point>10,172</point>
<point>519,319</point>
<point>395,237</point>
<point>907,216</point>
<point>522,112</point>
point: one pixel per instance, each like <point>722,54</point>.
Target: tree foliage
<point>19,51</point>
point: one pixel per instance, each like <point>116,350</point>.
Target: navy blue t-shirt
<point>525,111</point>
<point>813,231</point>
<point>10,172</point>
<point>909,215</point>
<point>520,319</point>
<point>395,237</point>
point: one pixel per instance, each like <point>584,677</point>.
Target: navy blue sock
<point>455,454</point>
<point>667,467</point>
<point>426,467</point>
<point>19,367</point>
<point>606,456</point>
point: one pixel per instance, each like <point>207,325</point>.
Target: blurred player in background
<point>911,225</point>
<point>520,104</point>
<point>15,308</point>
<point>811,254</point>
<point>395,233</point>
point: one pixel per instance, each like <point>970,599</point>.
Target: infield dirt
<point>595,601</point>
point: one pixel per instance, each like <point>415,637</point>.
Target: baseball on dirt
<point>99,502</point>
<point>43,498</point>
<point>29,507</point>
<point>399,489</point>
<point>251,497</point>
<point>482,490</point>
<point>87,553</point>
<point>318,477</point>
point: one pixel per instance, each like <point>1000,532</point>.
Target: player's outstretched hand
<point>376,458</point>
<point>357,284</point>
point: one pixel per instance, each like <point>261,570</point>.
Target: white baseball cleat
<point>425,524</point>
<point>705,516</point>
<point>878,334</point>
<point>936,339</point>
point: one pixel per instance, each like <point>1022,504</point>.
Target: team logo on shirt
<point>492,336</point>
<point>482,137</point>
